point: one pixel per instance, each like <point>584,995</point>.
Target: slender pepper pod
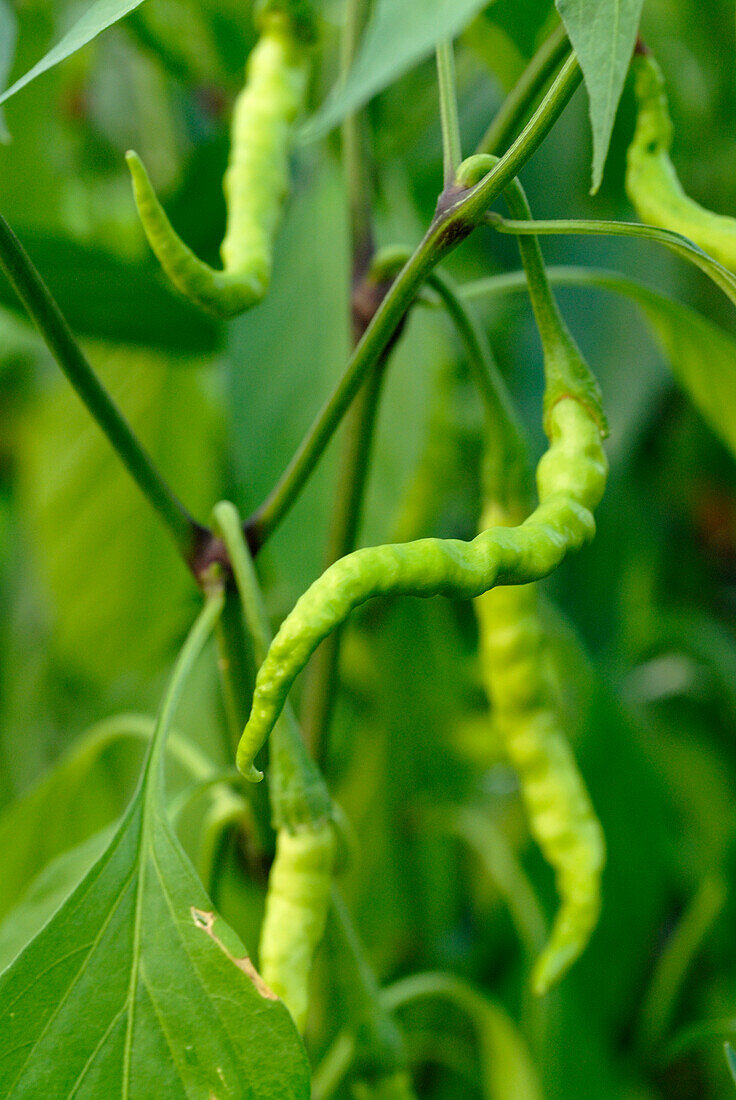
<point>297,904</point>
<point>561,816</point>
<point>570,477</point>
<point>298,898</point>
<point>652,183</point>
<point>256,181</point>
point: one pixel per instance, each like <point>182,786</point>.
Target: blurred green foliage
<point>94,601</point>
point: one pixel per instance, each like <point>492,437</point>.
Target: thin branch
<point>381,1042</point>
<point>529,85</point>
<point>320,690</point>
<point>531,137</point>
<point>678,244</point>
<point>488,379</point>
<point>367,294</point>
<point>451,147</point>
<point>352,141</point>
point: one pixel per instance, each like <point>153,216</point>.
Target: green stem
<point>41,307</point>
<point>566,372</point>
<point>546,311</point>
<point>516,104</point>
<point>226,777</point>
<point>331,1071</point>
<point>514,282</point>
<point>432,984</point>
<point>381,1041</point>
<point>458,213</point>
<point>427,985</point>
<point>451,146</point>
<point>364,358</point>
<point>141,727</point>
<point>698,1034</point>
<point>676,959</point>
<point>320,690</point>
<point>297,791</point>
<point>195,641</point>
<point>531,137</point>
<point>352,150</point>
<point>236,671</point>
<point>491,386</point>
<point>227,525</point>
<point>506,459</point>
<point>237,674</point>
<point>478,831</point>
<point>678,244</point>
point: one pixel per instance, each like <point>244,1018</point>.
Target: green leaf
<point>603,35</point>
<point>703,359</point>
<point>702,355</point>
<point>68,469</point>
<point>8,35</point>
<point>46,893</point>
<point>106,298</point>
<point>397,37</point>
<point>102,14</point>
<point>82,793</point>
<point>136,978</point>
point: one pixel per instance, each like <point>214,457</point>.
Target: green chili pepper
<point>561,816</point>
<point>297,904</point>
<point>570,477</point>
<point>298,897</point>
<point>256,180</point>
<point>651,180</point>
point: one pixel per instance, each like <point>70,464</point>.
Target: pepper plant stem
<point>321,687</point>
<point>458,214</point>
<point>48,318</point>
<point>488,380</point>
<point>356,180</point>
<point>451,149</point>
<point>546,310</point>
<point>539,70</point>
<point>382,1041</point>
<point>321,684</point>
<point>298,793</point>
<point>678,244</point>
<point>237,673</point>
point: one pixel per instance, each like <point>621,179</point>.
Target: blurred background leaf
<point>603,45</point>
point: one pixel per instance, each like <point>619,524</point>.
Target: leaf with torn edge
<point>135,987</point>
